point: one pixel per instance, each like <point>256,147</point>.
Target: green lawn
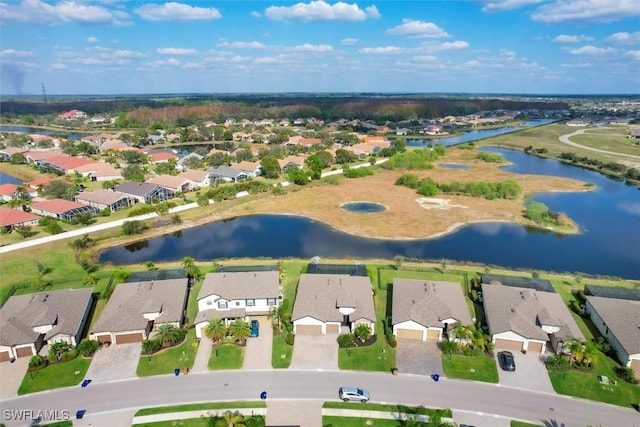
<point>515,423</point>
<point>226,356</point>
<point>373,421</point>
<point>193,422</point>
<point>281,352</point>
<point>199,406</point>
<point>476,368</point>
<point>56,375</point>
<point>585,384</point>
<point>376,357</point>
<point>165,361</point>
<point>329,421</point>
<point>615,141</point>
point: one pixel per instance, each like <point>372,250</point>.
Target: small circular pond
<point>363,207</point>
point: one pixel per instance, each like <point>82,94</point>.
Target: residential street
<point>288,384</point>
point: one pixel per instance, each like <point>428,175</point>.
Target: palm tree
<point>234,419</point>
<point>461,334</point>
<point>478,338</point>
<point>168,334</point>
<point>448,347</point>
<point>188,262</point>
<point>575,349</point>
<point>215,330</point>
<point>590,353</point>
<point>280,313</point>
<point>363,332</point>
<point>240,329</point>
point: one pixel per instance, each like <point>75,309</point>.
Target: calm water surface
<point>28,130</point>
<point>609,244</point>
<point>8,179</point>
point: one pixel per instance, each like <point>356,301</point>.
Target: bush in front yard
<point>289,339</point>
<point>37,362</point>
<point>626,374</point>
<point>346,340</point>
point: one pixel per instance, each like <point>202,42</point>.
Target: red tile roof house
<point>162,157</point>
<point>8,152</point>
<point>62,209</point>
<point>63,163</point>
<point>332,304</point>
<point>196,178</point>
<point>40,182</point>
<point>99,171</point>
<point>30,321</point>
<point>101,199</point>
<point>72,115</point>
<point>427,310</point>
<point>10,218</point>
<point>305,142</point>
<point>235,295</point>
<point>172,183</point>
<point>8,191</point>
<point>135,309</point>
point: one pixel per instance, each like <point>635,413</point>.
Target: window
<point>222,305</point>
<point>271,301</point>
<point>251,303</point>
<point>209,302</point>
<point>237,303</point>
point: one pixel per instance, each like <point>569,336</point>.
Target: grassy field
<point>165,361</point>
<point>56,375</point>
<point>281,352</point>
<point>614,140</point>
<point>196,422</point>
<point>476,368</point>
<point>226,356</point>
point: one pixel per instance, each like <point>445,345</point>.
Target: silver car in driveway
<point>353,393</point>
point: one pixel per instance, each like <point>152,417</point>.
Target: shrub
<point>345,340</point>
<point>88,347</point>
<point>37,362</point>
<point>141,209</point>
<point>289,339</point>
<point>490,157</point>
<point>626,374</point>
<point>358,173</point>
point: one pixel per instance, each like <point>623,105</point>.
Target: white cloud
<point>126,54</point>
<point>173,61</point>
<point>16,53</point>
<point>564,38</point>
<point>348,41</point>
<point>456,45</point>
<point>307,47</point>
<point>625,38</point>
<point>427,58</point>
<point>586,11</point>
<point>633,54</point>
<point>321,11</point>
<point>592,50</point>
<point>39,12</point>
<point>472,63</point>
<point>256,14</point>
<point>177,12</point>
<point>498,5</point>
<point>266,60</point>
<point>242,45</point>
<point>192,66</point>
<point>176,51</point>
<point>415,28</point>
<point>92,39</point>
<point>58,66</point>
<point>382,50</point>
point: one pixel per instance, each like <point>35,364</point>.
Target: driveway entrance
<point>319,352</point>
<point>12,375</point>
<point>116,362</point>
<point>418,357</point>
<point>530,373</point>
<point>257,353</point>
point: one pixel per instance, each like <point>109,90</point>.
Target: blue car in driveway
<point>255,328</point>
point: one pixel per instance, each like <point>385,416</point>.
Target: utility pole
<point>44,93</point>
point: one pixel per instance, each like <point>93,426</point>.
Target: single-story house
<point>9,191</point>
<point>62,209</point>
<point>10,218</point>
<point>172,183</point>
<point>251,168</point>
<point>291,162</point>
<point>427,310</point>
<point>180,164</point>
<point>227,174</point>
<point>233,295</point>
<point>100,171</point>
<point>524,319</point>
<point>135,309</point>
<point>618,320</point>
<point>331,303</point>
<point>63,163</point>
<point>612,292</point>
<point>101,199</point>
<point>196,178</point>
<point>32,320</point>
<point>162,156</point>
<point>144,192</point>
<point>7,153</point>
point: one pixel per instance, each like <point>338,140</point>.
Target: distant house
<point>63,163</point>
<point>8,192</point>
<point>100,171</point>
<point>11,218</point>
<point>618,320</point>
<point>72,115</point>
<point>196,178</point>
<point>291,162</point>
<point>403,131</point>
<point>62,209</point>
<point>6,154</point>
<point>135,309</point>
<point>101,199</point>
<point>578,123</point>
<point>331,303</point>
<point>156,139</point>
<point>227,174</point>
<point>427,310</point>
<point>144,192</point>
<point>236,295</point>
<point>162,156</point>
<point>251,168</point>
<point>172,183</point>
<point>32,320</point>
<point>305,142</point>
<point>180,164</point>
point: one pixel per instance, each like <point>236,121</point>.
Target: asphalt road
<point>413,390</point>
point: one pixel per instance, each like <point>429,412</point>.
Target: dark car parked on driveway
<point>506,361</point>
<point>255,328</point>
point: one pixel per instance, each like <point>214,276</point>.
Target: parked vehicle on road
<point>255,328</point>
<point>506,361</point>
<point>353,393</point>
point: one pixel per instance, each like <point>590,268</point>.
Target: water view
<point>609,218</point>
<point>28,130</point>
<point>8,179</point>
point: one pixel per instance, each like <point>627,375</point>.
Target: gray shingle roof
<point>523,311</point>
<point>22,313</point>
<point>136,188</point>
<point>428,303</point>
<point>226,171</point>
<point>319,296</point>
<point>241,285</point>
<point>622,317</point>
<point>129,301</point>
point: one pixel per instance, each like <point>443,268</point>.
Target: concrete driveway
<point>116,362</point>
<point>257,353</point>
<point>12,375</point>
<point>530,373</point>
<point>418,357</point>
<point>318,352</point>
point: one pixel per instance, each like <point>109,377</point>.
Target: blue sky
<point>429,46</point>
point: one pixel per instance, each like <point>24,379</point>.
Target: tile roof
<point>130,301</point>
<point>622,317</point>
<point>61,309</point>
<point>168,181</point>
<point>8,189</point>
<point>69,162</point>
<point>162,156</point>
<point>10,217</point>
<point>247,166</point>
<point>194,175</point>
<point>104,197</point>
<point>241,285</point>
<point>428,303</point>
<point>58,206</point>
<point>41,181</point>
<point>319,296</point>
<point>523,310</point>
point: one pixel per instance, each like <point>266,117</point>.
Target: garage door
<point>433,334</point>
<point>635,365</point>
<point>4,356</point>
<point>535,347</point>
<point>309,329</point>
<point>333,329</point>
<point>129,338</point>
<point>410,334</point>
<point>509,344</point>
<point>24,352</point>
<point>102,339</point>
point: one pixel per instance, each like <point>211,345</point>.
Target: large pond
<point>609,244</point>
<point>28,130</point>
<point>8,179</point>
